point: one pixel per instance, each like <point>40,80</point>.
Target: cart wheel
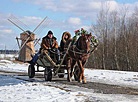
<point>76,73</point>
<point>31,71</point>
<point>61,75</point>
<point>48,74</point>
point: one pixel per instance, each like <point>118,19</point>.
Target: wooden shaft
<point>62,59</point>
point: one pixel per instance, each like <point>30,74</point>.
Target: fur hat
<point>66,33</point>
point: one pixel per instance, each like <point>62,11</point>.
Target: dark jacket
<point>63,41</point>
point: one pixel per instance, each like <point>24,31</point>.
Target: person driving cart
<point>50,45</point>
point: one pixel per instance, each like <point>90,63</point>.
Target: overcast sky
<point>62,15</point>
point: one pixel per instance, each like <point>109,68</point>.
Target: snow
<point>14,90</point>
<point>121,78</point>
<point>34,92</point>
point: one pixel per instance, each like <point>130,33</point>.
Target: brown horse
<point>79,53</point>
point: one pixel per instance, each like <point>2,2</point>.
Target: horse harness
<point>79,51</point>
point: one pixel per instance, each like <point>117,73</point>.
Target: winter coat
<point>63,40</point>
<point>48,43</point>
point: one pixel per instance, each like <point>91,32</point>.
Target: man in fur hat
<point>50,45</point>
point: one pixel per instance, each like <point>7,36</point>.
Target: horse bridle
<point>83,51</point>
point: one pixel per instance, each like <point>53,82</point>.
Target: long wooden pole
<point>62,59</point>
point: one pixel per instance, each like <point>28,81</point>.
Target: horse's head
<point>84,42</point>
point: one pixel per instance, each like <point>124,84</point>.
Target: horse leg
<point>83,77</point>
<point>72,66</point>
<point>68,77</point>
<point>80,74</point>
<point>68,69</point>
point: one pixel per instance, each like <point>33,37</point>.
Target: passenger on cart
<point>49,45</point>
<point>65,37</point>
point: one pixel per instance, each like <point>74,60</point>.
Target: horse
<point>79,53</point>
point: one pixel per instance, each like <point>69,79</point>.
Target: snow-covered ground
<point>14,90</point>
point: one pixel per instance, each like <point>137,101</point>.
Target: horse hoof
<point>69,80</point>
<point>80,81</point>
<point>84,82</point>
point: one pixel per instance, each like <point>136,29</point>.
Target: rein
<point>81,51</point>
<point>56,53</point>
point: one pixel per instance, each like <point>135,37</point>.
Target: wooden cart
<point>50,68</point>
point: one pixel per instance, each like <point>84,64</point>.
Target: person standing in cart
<point>50,45</point>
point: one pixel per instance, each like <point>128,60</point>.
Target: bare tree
<point>114,22</point>
<point>125,34</point>
<point>118,43</point>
